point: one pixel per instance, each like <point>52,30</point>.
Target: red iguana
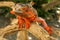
<point>26,14</point>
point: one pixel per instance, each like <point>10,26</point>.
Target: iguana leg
<point>20,23</point>
<point>27,23</point>
<point>12,12</point>
<point>46,27</point>
<point>24,22</point>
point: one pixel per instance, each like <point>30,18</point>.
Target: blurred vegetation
<point>37,6</point>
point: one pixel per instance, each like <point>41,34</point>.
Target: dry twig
<point>51,5</point>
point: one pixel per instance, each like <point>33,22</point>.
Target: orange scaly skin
<point>20,22</point>
<point>29,19</point>
<point>12,12</point>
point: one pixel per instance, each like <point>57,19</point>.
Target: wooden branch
<point>38,32</point>
<point>22,35</point>
<point>7,3</point>
<point>50,5</point>
<point>56,31</point>
<point>8,29</point>
<point>1,38</point>
<point>35,29</point>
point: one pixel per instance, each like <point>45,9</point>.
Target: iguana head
<point>20,8</point>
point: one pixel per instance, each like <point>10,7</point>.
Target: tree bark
<point>35,29</point>
<point>7,4</point>
<point>50,5</point>
<point>38,32</point>
<point>22,35</point>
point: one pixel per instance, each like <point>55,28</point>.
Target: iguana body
<point>26,14</point>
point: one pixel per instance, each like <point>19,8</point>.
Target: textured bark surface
<point>7,3</point>
<point>39,32</point>
<point>22,35</point>
<point>35,30</point>
<point>50,5</point>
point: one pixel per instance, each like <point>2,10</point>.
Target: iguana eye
<point>18,11</point>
